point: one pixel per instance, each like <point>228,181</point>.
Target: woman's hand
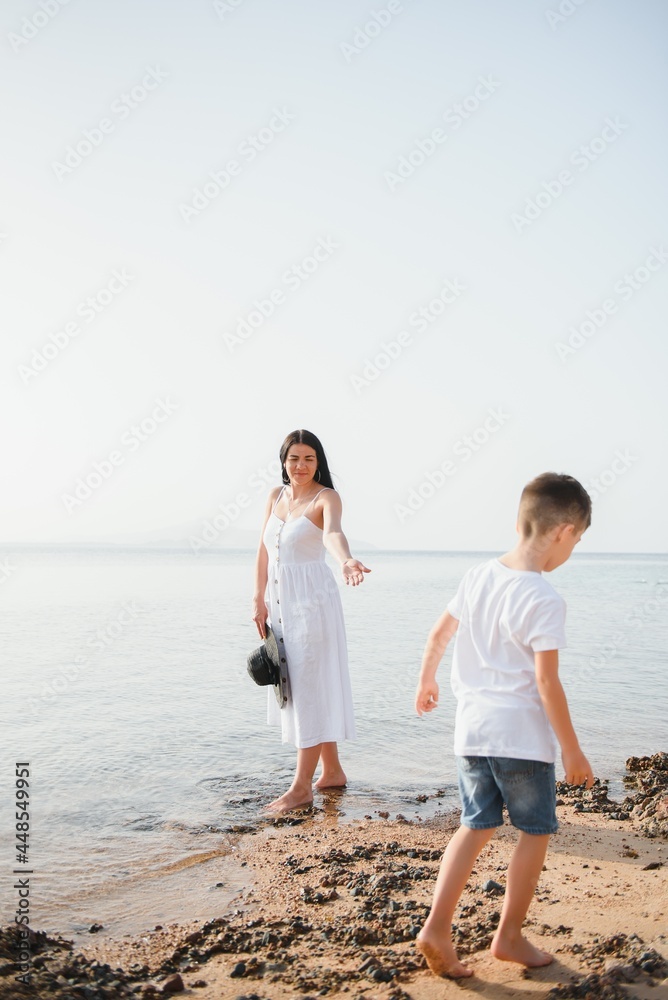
<point>260,615</point>
<point>353,571</point>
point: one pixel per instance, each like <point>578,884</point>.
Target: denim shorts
<point>527,787</point>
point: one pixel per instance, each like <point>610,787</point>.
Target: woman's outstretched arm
<point>336,542</point>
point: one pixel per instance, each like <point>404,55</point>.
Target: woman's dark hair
<point>324,476</point>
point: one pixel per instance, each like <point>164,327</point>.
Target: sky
<point>435,234</point>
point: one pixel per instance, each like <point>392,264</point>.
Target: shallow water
<point>124,685</point>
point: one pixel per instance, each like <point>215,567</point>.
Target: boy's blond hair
<point>552,499</point>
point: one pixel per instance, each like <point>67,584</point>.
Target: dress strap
<point>277,499</point>
<point>316,496</point>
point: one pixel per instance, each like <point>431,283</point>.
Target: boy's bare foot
<point>519,950</point>
<point>441,957</point>
<point>291,800</point>
<point>331,779</point>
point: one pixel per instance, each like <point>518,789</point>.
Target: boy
<point>510,705</point>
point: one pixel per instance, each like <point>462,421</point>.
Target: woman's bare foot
<point>519,950</point>
<point>441,957</point>
<point>294,798</point>
<point>331,779</point>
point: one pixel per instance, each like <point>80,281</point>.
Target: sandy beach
<point>334,908</point>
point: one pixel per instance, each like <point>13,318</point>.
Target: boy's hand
<point>426,697</point>
<point>577,768</point>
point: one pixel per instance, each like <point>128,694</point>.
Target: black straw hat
<point>268,665</point>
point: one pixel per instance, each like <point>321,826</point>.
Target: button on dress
<point>306,615</point>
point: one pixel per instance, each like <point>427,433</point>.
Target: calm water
<point>124,685</point>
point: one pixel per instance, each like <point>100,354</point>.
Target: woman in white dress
<point>296,591</point>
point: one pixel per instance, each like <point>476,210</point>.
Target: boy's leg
<point>522,877</point>
<point>435,938</point>
<point>332,773</point>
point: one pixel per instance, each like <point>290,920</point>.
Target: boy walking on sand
<point>509,625</point>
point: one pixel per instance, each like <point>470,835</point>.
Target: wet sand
<point>331,908</point>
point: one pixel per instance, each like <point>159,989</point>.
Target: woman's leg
<point>332,773</point>
<point>300,792</point>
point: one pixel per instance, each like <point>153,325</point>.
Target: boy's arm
<point>577,767</point>
<point>426,696</point>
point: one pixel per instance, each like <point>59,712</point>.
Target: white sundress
<point>306,615</point>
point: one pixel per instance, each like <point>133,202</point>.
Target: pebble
<point>621,970</point>
<point>381,976</point>
<point>173,985</point>
<point>493,888</point>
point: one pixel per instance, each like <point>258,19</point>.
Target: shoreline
<point>332,908</point>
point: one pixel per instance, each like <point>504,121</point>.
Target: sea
<point>126,698</point>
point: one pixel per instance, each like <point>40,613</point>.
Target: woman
<point>302,519</point>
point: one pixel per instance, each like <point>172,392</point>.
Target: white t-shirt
<point>505,616</point>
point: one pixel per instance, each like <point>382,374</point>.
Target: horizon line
<point>369,547</point>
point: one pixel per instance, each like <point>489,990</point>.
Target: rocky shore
<point>335,908</point>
